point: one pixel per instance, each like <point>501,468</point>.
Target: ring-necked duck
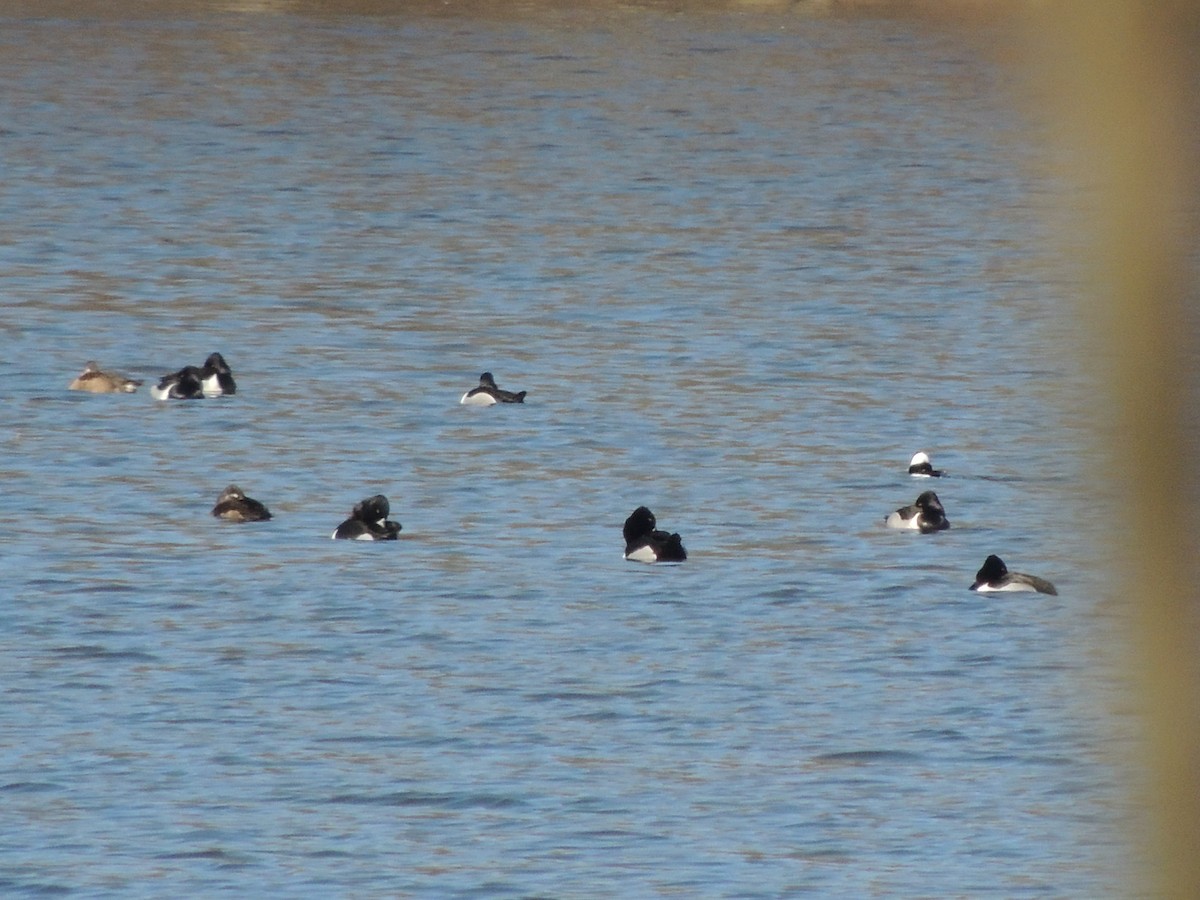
<point>94,381</point>
<point>993,575</point>
<point>369,522</point>
<point>487,393</point>
<point>643,543</point>
<point>925,515</point>
<point>212,379</point>
<point>235,506</point>
<point>920,466</point>
<point>186,384</point>
<point>217,378</point>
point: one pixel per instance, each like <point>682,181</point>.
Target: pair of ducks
<point>643,541</point>
<point>215,378</point>
<point>212,379</point>
<point>368,520</point>
<point>927,515</point>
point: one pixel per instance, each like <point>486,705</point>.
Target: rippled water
<point>745,265</point>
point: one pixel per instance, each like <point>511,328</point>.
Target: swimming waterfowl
<point>487,393</point>
<point>643,543</point>
<point>94,381</point>
<point>920,466</point>
<point>186,384</point>
<point>925,515</point>
<point>212,379</point>
<point>217,378</point>
<point>369,522</point>
<point>235,506</point>
<point>993,575</point>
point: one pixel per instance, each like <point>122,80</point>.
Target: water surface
<point>745,264</point>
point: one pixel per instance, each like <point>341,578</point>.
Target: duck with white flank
<point>235,506</point>
<point>487,393</point>
<point>920,466</point>
<point>994,576</point>
<point>182,385</point>
<point>369,522</point>
<point>644,543</point>
<point>213,379</point>
<point>216,377</point>
<point>925,515</point>
<point>94,381</point>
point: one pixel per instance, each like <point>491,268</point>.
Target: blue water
<point>745,264</point>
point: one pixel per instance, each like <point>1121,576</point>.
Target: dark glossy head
<point>235,506</point>
<point>640,523</point>
<point>369,521</point>
<point>182,385</point>
<point>992,570</point>
<point>486,380</point>
<point>372,510</point>
<point>929,502</point>
<point>233,492</point>
<point>216,362</point>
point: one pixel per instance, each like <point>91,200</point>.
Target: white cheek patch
<point>919,458</point>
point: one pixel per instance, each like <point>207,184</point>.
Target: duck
<point>216,377</point>
<point>644,543</point>
<point>234,506</point>
<point>487,393</point>
<point>925,515</point>
<point>920,466</point>
<point>993,575</point>
<point>369,522</point>
<point>186,384</point>
<point>213,379</point>
<point>94,381</point>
